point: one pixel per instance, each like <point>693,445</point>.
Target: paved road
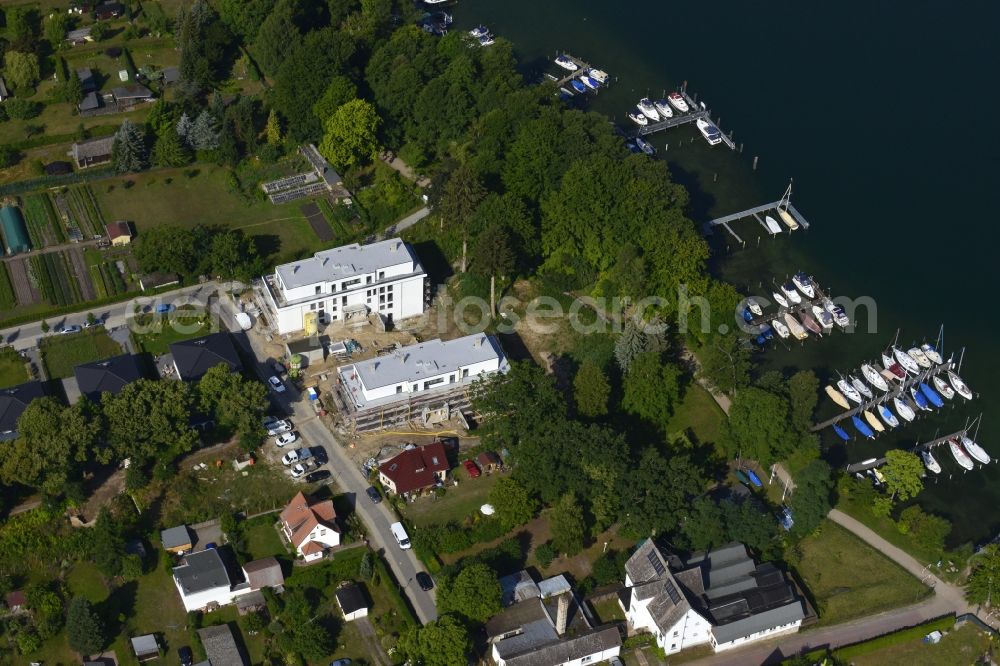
<point>947,599</point>
<point>376,517</point>
<point>405,223</point>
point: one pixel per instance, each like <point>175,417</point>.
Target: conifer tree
<point>129,150</point>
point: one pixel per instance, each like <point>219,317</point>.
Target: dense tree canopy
<point>473,593</point>
<point>349,135</point>
<point>148,419</point>
<point>443,642</point>
<point>983,585</point>
<point>811,500</point>
<point>903,472</point>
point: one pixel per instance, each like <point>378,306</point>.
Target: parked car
<point>296,456</point>
<point>319,455</point>
<point>185,655</point>
<point>373,494</point>
<point>425,581</point>
<point>286,438</point>
<point>317,476</point>
<point>302,468</point>
<point>278,427</point>
<point>276,385</point>
<point>70,329</point>
<point>164,308</point>
<point>472,468</point>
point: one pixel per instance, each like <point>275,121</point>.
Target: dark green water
<point>883,115</point>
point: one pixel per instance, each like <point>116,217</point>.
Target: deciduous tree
<point>350,134</point>
<point>567,524</point>
<point>148,419</point>
<point>473,593</point>
<point>84,629</point>
<point>811,500</point>
<point>21,69</point>
<point>236,402</point>
<point>513,504</point>
<point>652,390</point>
<point>339,91</point>
<point>443,642</point>
<point>903,472</point>
<point>658,491</point>
<point>591,390</point>
<point>983,585</point>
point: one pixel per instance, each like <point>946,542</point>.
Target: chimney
<point>562,613</point>
<point>478,342</point>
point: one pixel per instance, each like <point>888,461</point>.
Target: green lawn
<point>262,538</point>
<point>283,233</point>
<point>959,646</point>
<point>847,578</point>
<point>700,413</point>
<point>13,370</point>
<point>164,330</point>
<point>458,503</point>
<point>62,353</point>
<point>608,610</point>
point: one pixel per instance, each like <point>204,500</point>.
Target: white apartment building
<point>423,367</point>
<point>353,280</point>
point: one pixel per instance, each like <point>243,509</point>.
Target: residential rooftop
<point>345,262</point>
<point>203,570</point>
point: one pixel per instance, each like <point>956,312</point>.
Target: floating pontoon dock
<point>784,203</point>
<point>866,465</point>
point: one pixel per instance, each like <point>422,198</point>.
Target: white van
<point>401,537</point>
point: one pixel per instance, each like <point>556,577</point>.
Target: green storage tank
<point>15,234</point>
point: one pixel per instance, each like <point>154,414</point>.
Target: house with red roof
<point>415,470</point>
<point>310,526</point>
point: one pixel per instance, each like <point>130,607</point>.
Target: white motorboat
<point>677,101</point>
<point>823,317</point>
<point>943,388</point>
<point>959,386</point>
<point>486,40</point>
<point>959,454</point>
<point>874,378</point>
<point>919,357</point>
<point>589,82</point>
<point>931,353</point>
<point>637,118</point>
<point>908,362</point>
<point>788,289</point>
<point>780,328</point>
<point>599,75</point>
<point>798,331</point>
<point>848,390</point>
<point>780,299</point>
<point>861,387</point>
<point>479,31</point>
<point>646,106</point>
<point>709,131</point>
<point>840,317</point>
<point>567,63</point>
<point>903,410</point>
<point>976,451</point>
<point>788,219</point>
<point>754,307</point>
<point>805,285</point>
<point>664,108</point>
<point>772,224</point>
<point>929,462</point>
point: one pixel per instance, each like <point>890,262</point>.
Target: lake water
<point>882,114</point>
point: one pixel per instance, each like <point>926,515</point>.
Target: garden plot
<point>78,207</point>
<point>58,279</point>
<point>24,289</point>
<point>44,226</point>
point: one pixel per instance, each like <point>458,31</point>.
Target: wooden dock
<point>679,119</point>
<point>583,66</point>
<point>895,391</point>
<point>872,463</point>
<point>806,305</point>
<point>726,220</point>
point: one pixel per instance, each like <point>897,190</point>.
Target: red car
<point>472,469</point>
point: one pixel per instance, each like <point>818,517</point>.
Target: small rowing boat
<point>787,218</point>
<point>873,421</point>
<point>772,224</point>
<point>841,433</point>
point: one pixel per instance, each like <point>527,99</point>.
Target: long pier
<point>895,391</point>
<point>872,463</point>
<point>726,220</point>
<point>684,118</point>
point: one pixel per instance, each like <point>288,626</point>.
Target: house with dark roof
<point>352,601</point>
<point>145,647</point>
<point>58,168</point>
<point>263,573</point>
<point>220,646</point>
<point>720,597</point>
<point>92,152</point>
<point>543,625</point>
<point>87,80</point>
<point>310,526</point>
<point>193,358</point>
<point>13,402</point>
<point>415,470</point>
<point>203,581</point>
<point>108,376</point>
<point>127,97</point>
<point>79,36</point>
<point>176,539</point>
<point>16,602</point>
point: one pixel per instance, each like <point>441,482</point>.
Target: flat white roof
<point>345,262</point>
<point>427,359</point>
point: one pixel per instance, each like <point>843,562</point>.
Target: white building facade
<point>688,630</point>
<point>343,282</point>
<point>426,366</point>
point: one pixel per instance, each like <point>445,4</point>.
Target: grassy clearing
<point>166,329</point>
<point>608,610</point>
<point>459,502</point>
<point>62,353</point>
<point>847,578</point>
<point>959,646</point>
<point>700,414</point>
<point>199,195</point>
<point>262,538</point>
<point>13,370</point>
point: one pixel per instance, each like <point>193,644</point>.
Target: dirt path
<point>82,274</point>
<point>375,650</point>
<point>52,248</point>
<point>23,289</point>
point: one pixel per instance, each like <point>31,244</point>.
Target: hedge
<point>895,638</point>
<point>392,589</point>
<point>53,181</point>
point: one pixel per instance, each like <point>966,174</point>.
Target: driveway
<point>376,517</point>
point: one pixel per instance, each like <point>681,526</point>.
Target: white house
<point>353,280</point>
<point>721,597</point>
<point>420,368</point>
<point>310,526</point>
<point>203,582</point>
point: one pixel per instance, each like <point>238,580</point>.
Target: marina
<point>582,69</point>
<point>920,448</point>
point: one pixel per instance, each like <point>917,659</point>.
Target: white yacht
<point>709,131</point>
<point>677,101</point>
